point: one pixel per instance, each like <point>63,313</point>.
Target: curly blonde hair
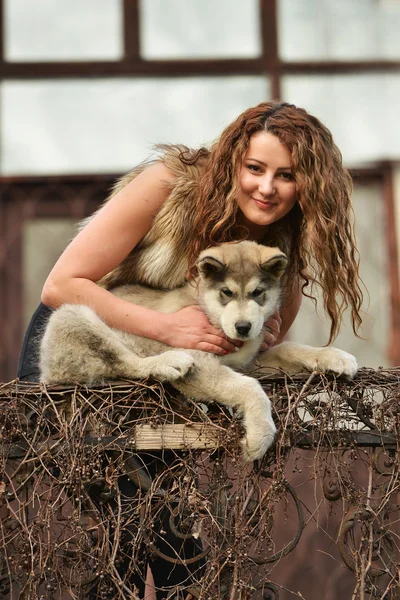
<point>317,234</point>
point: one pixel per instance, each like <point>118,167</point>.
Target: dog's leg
<point>79,346</point>
<point>212,381</point>
<point>293,357</point>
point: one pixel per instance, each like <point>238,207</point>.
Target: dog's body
<point>239,289</point>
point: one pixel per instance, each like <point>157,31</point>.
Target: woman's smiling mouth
<point>263,203</point>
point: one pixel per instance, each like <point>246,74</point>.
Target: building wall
<point>57,121</point>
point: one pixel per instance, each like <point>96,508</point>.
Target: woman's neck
<point>256,233</point>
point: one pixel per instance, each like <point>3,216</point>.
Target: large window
<point>87,88</point>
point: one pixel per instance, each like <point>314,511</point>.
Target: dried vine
<point>69,529</point>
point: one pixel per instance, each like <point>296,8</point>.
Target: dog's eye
<point>227,292</point>
<point>257,292</point>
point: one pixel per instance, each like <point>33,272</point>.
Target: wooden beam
<point>195,436</point>
<point>131,29</point>
<point>393,262</point>
<point>134,67</point>
<point>269,33</point>
<point>190,68</point>
<point>2,26</point>
<point>339,67</point>
<point>175,437</point>
<point>12,216</point>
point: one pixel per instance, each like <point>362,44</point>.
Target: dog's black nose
<point>243,327</point>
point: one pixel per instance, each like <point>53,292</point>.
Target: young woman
<point>274,176</point>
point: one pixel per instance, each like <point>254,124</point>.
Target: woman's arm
<point>103,244</point>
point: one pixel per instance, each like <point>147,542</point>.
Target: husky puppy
<point>238,287</point>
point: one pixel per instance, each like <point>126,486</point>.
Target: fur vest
<point>160,260</point>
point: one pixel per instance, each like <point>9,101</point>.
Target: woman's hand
<point>190,328</point>
<point>272,329</point>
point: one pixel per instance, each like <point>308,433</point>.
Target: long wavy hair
<point>317,234</point>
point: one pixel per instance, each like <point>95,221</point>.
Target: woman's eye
<point>227,292</point>
<point>257,292</point>
<point>287,176</point>
<point>254,168</point>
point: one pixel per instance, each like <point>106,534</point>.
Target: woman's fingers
<point>190,328</point>
<point>218,344</point>
<point>272,329</point>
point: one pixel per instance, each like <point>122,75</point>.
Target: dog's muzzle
<point>243,328</point>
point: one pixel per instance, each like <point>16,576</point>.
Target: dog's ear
<point>209,266</point>
<point>275,266</point>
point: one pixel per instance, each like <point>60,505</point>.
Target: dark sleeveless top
<point>28,364</point>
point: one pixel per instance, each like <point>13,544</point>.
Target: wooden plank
<point>134,67</point>
<point>131,28</point>
<point>175,437</point>
<point>269,35</point>
<point>196,436</point>
<point>2,20</point>
<point>393,266</point>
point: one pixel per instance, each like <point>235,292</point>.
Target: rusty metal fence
<point>317,518</point>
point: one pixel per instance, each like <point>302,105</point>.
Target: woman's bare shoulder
<point>117,227</point>
<point>145,193</point>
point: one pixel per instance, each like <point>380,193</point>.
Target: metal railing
<point>99,483</point>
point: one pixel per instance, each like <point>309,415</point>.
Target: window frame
<point>268,64</point>
<point>132,64</point>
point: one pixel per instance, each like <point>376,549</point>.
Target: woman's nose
<point>267,186</point>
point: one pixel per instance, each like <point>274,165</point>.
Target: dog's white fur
<point>239,289</point>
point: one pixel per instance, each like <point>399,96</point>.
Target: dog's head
<point>239,286</point>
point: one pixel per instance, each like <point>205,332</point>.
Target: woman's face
<point>267,186</point>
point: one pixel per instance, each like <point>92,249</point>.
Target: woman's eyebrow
<point>257,161</point>
<point>265,164</point>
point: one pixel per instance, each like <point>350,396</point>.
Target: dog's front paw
<point>172,365</point>
<point>338,362</point>
<point>260,435</point>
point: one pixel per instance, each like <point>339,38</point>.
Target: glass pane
<point>192,29</point>
<point>361,111</point>
<point>43,241</point>
<point>340,30</point>
<point>311,328</point>
<point>109,125</point>
<point>63,30</point>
